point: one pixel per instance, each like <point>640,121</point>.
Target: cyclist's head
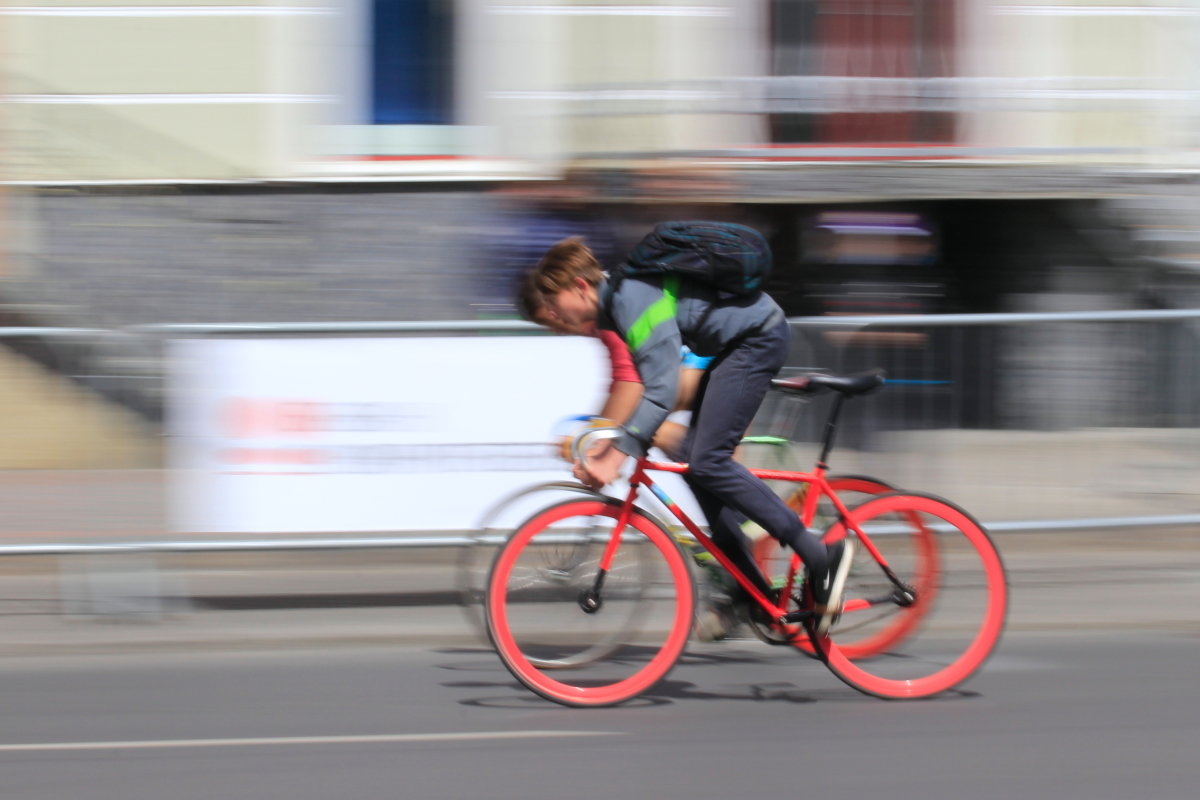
<point>562,264</point>
<point>531,305</point>
<point>565,282</point>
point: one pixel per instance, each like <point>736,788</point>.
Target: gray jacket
<point>654,324</point>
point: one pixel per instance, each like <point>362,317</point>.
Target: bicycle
<point>601,569</point>
<point>473,564</point>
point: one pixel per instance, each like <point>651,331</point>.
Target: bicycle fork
<point>590,599</point>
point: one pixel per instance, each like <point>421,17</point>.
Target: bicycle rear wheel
<point>946,607</point>
<point>866,635</point>
<point>542,628</point>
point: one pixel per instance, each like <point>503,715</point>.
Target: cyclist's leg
<point>725,524</point>
<point>722,595</point>
<point>729,397</point>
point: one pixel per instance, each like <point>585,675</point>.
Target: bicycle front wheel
<point>951,616</point>
<point>475,558</point>
<point>572,651</point>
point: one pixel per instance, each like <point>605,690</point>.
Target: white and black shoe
<point>828,589</point>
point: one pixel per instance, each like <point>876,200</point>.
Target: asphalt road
<point>1094,714</point>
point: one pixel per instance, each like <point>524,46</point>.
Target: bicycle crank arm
<point>898,596</point>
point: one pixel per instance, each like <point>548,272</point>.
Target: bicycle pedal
<point>792,617</point>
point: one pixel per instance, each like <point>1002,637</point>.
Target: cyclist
<point>749,338</point>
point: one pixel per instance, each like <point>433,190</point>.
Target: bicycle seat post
<point>830,430</point>
<point>843,386</point>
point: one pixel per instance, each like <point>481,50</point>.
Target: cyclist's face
<point>575,307</point>
<point>547,318</point>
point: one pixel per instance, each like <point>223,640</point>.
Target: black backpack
<point>730,257</point>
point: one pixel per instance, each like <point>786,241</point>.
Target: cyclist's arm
<point>623,397</point>
<point>685,394</point>
<point>620,362</point>
<point>670,435</point>
<point>646,316</point>
<point>626,388</point>
<point>690,373</point>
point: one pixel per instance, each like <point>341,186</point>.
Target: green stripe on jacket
<point>659,312</point>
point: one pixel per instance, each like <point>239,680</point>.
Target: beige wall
<point>520,73</point>
<point>551,71</point>
<point>152,90</point>
<point>1142,55</point>
<point>161,92</point>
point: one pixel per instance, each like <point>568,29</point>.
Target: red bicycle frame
<point>816,479</point>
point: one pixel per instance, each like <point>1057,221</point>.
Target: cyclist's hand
<point>603,466</point>
<point>584,477</point>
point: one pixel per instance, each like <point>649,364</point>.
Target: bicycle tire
<point>474,560</point>
<point>873,636</point>
<point>540,630</point>
<point>959,610</point>
<point>563,559</point>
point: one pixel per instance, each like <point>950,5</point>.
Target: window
<point>394,79</point>
<point>844,41</point>
<point>412,62</point>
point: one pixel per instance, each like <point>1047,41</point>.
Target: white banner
<point>286,435</point>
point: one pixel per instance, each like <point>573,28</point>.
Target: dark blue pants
<point>728,398</point>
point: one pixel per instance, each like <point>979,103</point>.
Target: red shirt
<point>619,357</point>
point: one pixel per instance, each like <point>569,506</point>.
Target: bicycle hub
<point>589,601</point>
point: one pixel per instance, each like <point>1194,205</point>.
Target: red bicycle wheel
<point>954,614</point>
<point>866,635</point>
<point>542,628</point>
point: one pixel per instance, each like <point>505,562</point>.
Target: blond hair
<point>561,265</point>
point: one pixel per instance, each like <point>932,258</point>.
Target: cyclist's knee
<point>706,470</point>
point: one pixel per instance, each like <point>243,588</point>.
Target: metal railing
<point>1119,385</point>
<point>1034,421</point>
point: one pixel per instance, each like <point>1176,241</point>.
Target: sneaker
<point>827,590</point>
